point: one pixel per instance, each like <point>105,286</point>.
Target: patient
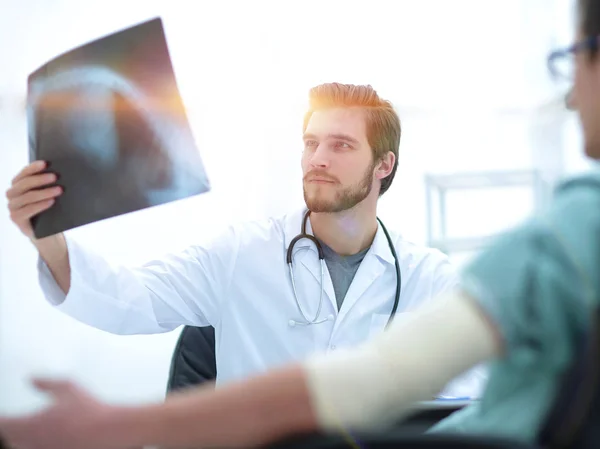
<point>522,303</point>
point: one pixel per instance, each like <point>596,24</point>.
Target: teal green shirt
<point>538,284</point>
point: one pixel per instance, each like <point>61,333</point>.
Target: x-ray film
<point>108,118</point>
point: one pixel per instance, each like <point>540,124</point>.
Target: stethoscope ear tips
<point>330,318</point>
<point>292,323</point>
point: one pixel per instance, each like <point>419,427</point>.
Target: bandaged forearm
<point>379,383</point>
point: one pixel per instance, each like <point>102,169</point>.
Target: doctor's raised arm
<point>154,298</point>
<point>27,198</point>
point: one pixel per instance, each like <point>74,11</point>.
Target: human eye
<point>310,143</point>
<point>342,145</point>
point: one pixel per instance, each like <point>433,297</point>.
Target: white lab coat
<point>240,284</point>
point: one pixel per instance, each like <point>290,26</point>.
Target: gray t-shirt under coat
<point>342,270</point>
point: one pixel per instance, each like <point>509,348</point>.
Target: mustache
<point>320,174</point>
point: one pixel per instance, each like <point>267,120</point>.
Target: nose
<point>320,157</point>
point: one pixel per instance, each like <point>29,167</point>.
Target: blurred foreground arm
<point>360,389</point>
<point>367,388</point>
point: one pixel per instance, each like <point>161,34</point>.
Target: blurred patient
<point>521,305</point>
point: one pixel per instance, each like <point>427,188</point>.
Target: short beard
<point>344,200</point>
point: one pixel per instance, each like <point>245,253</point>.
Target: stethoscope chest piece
<point>294,323</point>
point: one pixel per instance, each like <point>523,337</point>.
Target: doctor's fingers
<point>33,197</point>
<point>22,216</point>
<point>31,169</point>
<point>28,183</point>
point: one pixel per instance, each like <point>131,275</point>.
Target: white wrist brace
<point>378,383</point>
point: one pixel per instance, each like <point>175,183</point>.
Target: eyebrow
<point>345,137</point>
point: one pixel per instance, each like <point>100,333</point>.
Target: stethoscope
<point>316,320</point>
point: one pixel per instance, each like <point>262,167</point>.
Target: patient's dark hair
<point>589,20</point>
<point>383,123</point>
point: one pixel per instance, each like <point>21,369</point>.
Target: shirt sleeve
<point>180,289</point>
<point>537,282</point>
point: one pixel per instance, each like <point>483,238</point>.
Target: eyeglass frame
<point>588,44</point>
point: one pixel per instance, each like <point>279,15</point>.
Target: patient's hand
<point>75,420</point>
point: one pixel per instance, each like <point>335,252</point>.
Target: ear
<point>385,166</point>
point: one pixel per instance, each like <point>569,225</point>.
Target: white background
<point>467,76</point>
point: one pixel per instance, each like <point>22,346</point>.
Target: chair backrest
<point>574,419</point>
<point>193,360</point>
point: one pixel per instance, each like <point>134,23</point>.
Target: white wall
<point>466,79</point>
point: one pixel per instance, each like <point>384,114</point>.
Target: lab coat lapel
<point>377,259</point>
<point>368,272</point>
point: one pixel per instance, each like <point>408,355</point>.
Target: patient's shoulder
<point>575,212</point>
<point>578,191</point>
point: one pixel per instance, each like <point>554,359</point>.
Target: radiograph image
<point>109,119</point>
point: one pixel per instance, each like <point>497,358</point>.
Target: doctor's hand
<point>74,420</point>
<point>27,196</point>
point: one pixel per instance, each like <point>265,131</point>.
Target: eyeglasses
<point>561,63</point>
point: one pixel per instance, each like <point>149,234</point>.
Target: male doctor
<point>241,283</point>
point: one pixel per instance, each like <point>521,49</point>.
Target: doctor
<point>325,277</point>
